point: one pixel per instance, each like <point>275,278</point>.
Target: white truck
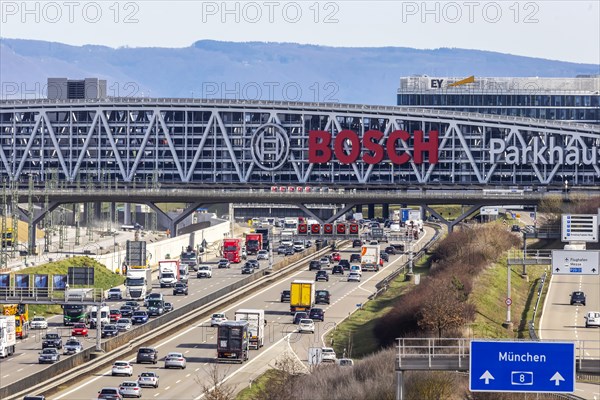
<point>369,257</point>
<point>168,273</point>
<point>138,283</point>
<point>256,325</point>
<point>8,335</point>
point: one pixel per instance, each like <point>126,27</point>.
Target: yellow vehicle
<point>21,313</point>
<point>7,238</point>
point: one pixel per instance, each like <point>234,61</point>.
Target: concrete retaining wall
<point>172,246</point>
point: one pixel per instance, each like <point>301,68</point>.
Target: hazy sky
<point>559,30</point>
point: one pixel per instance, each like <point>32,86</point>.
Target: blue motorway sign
<point>500,366</point>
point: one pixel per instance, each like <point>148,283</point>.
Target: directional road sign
<point>579,227</point>
<point>575,262</point>
<point>538,367</point>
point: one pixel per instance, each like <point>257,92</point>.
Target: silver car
<point>148,379</point>
<point>130,389</point>
<point>175,360</point>
<point>124,324</point>
<point>73,346</point>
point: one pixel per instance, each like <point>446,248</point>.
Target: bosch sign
<point>348,147</point>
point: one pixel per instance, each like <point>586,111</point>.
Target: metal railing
<point>532,333</point>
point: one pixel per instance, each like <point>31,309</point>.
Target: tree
<point>215,388</point>
<point>445,307</point>
<point>282,382</point>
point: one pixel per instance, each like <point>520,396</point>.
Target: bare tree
<point>446,307</point>
<point>214,388</point>
<point>282,383</point>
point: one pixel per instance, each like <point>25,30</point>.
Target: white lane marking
<point>6,376</point>
<point>19,370</point>
<point>178,381</point>
<point>168,387</point>
<point>156,394</point>
<point>188,375</point>
<point>236,305</point>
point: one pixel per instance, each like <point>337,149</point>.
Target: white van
<point>104,315</point>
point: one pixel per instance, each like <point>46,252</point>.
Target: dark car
<point>133,304</point>
<point>282,249</point>
<point>253,263</point>
<point>314,265</point>
<point>147,355</point>
<point>345,264</point>
<point>139,317</point>
<point>300,315</point>
<point>285,296</point>
<point>168,307</point>
<point>126,311</point>
<point>52,340</point>
<point>337,269</point>
<point>354,257</point>
<point>224,263</point>
<point>317,314</point>
<point>356,243</point>
<point>384,256</point>
<point>322,297</point>
<point>289,251</point>
<point>578,298</point>
<point>180,288</point>
<point>109,330</point>
<point>109,394</point>
<point>515,228</point>
<point>40,397</point>
<point>322,276</point>
<point>390,250</point>
<point>247,269</point>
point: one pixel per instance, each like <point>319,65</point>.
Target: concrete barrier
<point>137,337</point>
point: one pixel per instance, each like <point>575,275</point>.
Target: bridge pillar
<point>174,222</point>
<point>359,208</point>
<point>371,211</point>
<point>127,214</point>
<point>33,222</point>
<point>97,211</point>
<point>385,211</point>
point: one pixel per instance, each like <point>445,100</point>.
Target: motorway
<point>561,321</point>
<point>198,344</point>
<point>25,360</point>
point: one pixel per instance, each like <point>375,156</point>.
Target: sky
<point>557,30</point>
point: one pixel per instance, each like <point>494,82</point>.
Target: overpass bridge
<point>209,151</point>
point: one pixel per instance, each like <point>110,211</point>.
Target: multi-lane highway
<point>25,361</point>
<point>198,343</point>
<point>562,321</point>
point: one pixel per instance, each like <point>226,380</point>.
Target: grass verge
<point>258,385</point>
<point>354,336</point>
<point>489,296</point>
<point>103,278</point>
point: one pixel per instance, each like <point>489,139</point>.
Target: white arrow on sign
<point>487,376</point>
<point>557,378</point>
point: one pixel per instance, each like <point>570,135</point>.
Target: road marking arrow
<point>487,376</point>
<point>557,378</point>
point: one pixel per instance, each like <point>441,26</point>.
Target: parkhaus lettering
<point>348,147</point>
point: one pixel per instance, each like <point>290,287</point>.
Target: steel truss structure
<point>257,144</point>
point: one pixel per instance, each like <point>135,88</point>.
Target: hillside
<point>257,70</point>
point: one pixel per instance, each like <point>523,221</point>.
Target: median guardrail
<point>61,373</point>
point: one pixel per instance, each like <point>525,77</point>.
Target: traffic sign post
<point>537,367</point>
